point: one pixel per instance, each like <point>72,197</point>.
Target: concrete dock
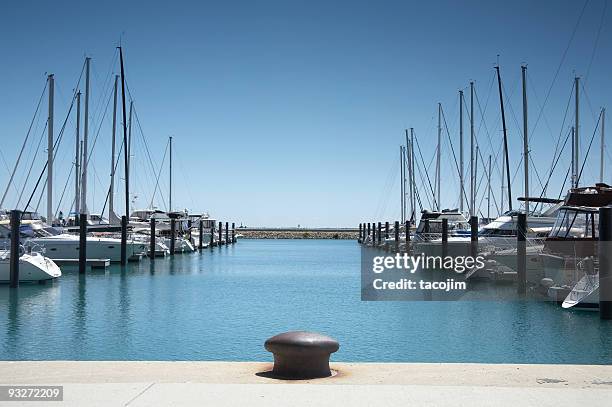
<point>354,384</point>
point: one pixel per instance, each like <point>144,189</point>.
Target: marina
<point>177,309</point>
<point>306,203</point>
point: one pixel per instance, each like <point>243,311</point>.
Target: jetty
<point>298,233</point>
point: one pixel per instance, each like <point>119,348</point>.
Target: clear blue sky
<point>291,112</point>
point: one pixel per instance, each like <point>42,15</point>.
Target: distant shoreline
<point>299,233</point>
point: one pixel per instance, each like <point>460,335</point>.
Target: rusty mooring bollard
<point>301,355</point>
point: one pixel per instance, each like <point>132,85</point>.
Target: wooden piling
<point>360,233</point>
<point>152,240</point>
<point>397,230</point>
<point>124,223</point>
<point>220,233</point>
<point>473,236</point>
<point>386,230</point>
<point>14,265</point>
<point>444,237</point>
<point>521,253</point>
<point>226,232</point>
<point>172,236</point>
<point>83,242</point>
<point>605,263</point>
<point>407,226</point>
<point>368,232</point>
<point>373,234</point>
<point>379,233</point>
<point>201,235</point>
<point>233,232</point>
<point>212,236</point>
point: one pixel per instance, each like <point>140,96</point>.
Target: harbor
<point>306,203</point>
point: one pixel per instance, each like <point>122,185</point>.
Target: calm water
<point>222,305</point>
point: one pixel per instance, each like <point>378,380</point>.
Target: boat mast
<point>50,152</point>
<point>489,190</point>
<point>85,136</point>
<point>111,194</point>
<point>576,133</point>
<point>603,145</point>
<point>438,156</point>
<point>412,177</point>
<point>475,175</point>
<point>472,193</point>
<point>402,196</point>
<point>130,133</point>
<point>506,158</point>
<point>170,194</point>
<point>125,141</point>
<point>525,140</point>
<point>77,160</point>
<point>461,151</point>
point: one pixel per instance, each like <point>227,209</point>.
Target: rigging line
<point>588,101</point>
<point>555,162</point>
<point>426,172</point>
<point>535,94</point>
<point>537,175</point>
<point>486,173</point>
<point>386,189</point>
<point>64,191</point>
<point>57,141</point>
<point>144,140</point>
<point>24,144</point>
<point>25,184</point>
<point>493,150</point>
<point>562,60</point>
<point>115,165</point>
<point>564,182</point>
<point>159,174</point>
<point>569,99</point>
<point>420,171</point>
<point>90,153</point>
<point>589,148</point>
<point>603,14</point>
<point>453,151</point>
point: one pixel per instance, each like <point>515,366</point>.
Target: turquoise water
<point>222,305</point>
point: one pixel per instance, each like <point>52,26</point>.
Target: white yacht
<point>32,267</point>
<point>59,245</point>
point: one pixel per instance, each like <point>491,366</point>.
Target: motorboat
<point>33,267</point>
<point>59,245</point>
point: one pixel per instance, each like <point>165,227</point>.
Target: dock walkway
<point>355,384</point>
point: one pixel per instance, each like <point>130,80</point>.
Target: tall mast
<point>170,194</point>
<point>438,155</point>
<point>402,195</point>
<point>489,190</point>
<point>475,176</point>
<point>603,145</point>
<point>525,141</point>
<point>573,158</point>
<point>576,133</point>
<point>85,135</point>
<point>125,141</point>
<point>412,177</point>
<point>50,152</point>
<point>77,160</point>
<point>130,133</point>
<point>408,158</point>
<point>472,192</point>
<point>111,194</point>
<point>503,115</point>
<point>461,151</point>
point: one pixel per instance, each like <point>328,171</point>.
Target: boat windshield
<point>574,224</point>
